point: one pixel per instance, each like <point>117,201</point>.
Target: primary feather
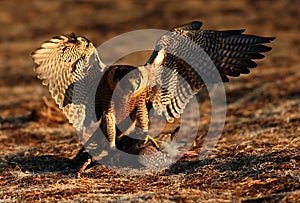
<point>83,86</point>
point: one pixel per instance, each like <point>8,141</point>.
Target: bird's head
<point>130,80</point>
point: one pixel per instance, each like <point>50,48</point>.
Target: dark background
<point>257,157</point>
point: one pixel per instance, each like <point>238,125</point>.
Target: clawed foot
<point>83,167</point>
<point>149,137</point>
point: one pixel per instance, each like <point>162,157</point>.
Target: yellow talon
<point>121,135</point>
<point>149,137</point>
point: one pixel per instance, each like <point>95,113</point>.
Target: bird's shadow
<point>40,164</point>
<point>247,165</point>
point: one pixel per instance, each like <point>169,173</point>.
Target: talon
<point>149,137</point>
<point>83,167</point>
<point>121,135</point>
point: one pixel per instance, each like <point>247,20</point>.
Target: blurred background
<point>264,106</point>
<point>25,24</point>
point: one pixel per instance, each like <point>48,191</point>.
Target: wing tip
<point>266,39</point>
<point>267,48</point>
<point>271,38</point>
<point>32,54</point>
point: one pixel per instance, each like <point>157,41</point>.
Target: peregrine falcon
<point>127,91</point>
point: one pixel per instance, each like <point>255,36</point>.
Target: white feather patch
<point>159,58</point>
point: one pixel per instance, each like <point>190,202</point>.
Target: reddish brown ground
<point>257,157</point>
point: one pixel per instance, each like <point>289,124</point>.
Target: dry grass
<point>256,160</point>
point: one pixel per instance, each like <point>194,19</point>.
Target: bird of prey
<point>166,82</point>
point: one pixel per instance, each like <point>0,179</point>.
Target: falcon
<point>89,91</point>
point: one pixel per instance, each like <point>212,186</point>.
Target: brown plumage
<point>71,67</point>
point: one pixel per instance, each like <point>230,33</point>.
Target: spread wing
<point>187,57</point>
<point>70,67</point>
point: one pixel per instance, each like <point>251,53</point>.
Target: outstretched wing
<point>68,65</point>
<point>187,57</point>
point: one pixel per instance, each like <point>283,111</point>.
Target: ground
<point>258,154</point>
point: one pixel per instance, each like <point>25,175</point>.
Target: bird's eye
<point>138,81</point>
